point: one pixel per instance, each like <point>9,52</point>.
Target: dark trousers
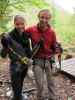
<point>17,78</point>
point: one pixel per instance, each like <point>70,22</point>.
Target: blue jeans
<point>17,78</point>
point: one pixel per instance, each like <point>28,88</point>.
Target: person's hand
<point>26,61</point>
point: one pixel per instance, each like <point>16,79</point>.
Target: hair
<point>44,10</point>
<point>18,17</point>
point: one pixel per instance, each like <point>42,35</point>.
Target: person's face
<point>44,18</point>
<point>19,24</point>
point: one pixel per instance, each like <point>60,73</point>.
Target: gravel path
<point>65,87</point>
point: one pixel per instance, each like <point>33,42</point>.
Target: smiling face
<point>44,17</point>
<point>19,23</point>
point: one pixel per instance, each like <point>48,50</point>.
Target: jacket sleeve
<point>4,50</point>
<point>29,31</point>
<point>53,46</point>
<point>56,45</point>
<point>28,45</point>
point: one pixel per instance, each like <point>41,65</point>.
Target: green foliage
<point>8,7</point>
<point>63,22</point>
<point>3,7</point>
<point>4,14</point>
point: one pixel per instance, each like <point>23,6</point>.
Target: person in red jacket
<point>43,34</point>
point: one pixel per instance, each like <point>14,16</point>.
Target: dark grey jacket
<point>21,45</point>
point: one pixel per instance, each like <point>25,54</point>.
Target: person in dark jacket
<point>18,35</point>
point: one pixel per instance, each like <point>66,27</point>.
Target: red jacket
<point>49,40</point>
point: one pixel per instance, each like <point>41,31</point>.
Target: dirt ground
<point>65,87</point>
